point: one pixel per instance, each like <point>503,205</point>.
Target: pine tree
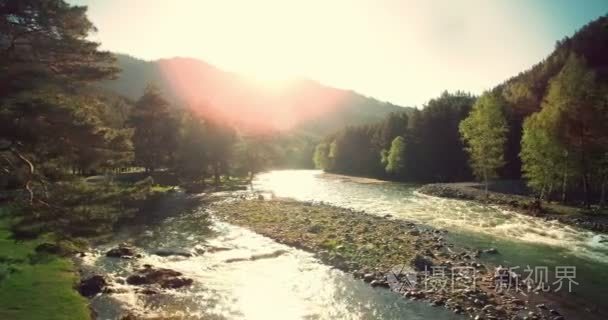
<point>44,57</point>
<point>155,133</point>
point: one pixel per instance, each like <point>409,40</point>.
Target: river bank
<point>187,262</point>
<point>391,253</point>
<point>573,216</point>
<point>39,245</point>
<point>34,284</point>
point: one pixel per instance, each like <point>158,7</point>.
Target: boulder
<point>172,252</point>
<point>369,277</point>
<point>91,286</point>
<point>491,251</point>
<point>379,283</point>
<point>174,283</point>
<point>422,263</point>
<point>165,278</point>
<point>122,251</point>
<point>49,248</point>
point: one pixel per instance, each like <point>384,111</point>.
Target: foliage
<point>321,156</point>
<point>543,156</point>
<point>192,150</point>
<point>46,121</point>
<point>221,148</point>
<point>395,160</point>
<point>434,149</point>
<point>254,154</point>
<point>565,142</point>
<point>155,133</point>
<point>84,208</point>
<point>484,130</point>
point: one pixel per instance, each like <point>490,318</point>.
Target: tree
<point>321,156</point>
<point>545,160</point>
<point>44,56</point>
<point>567,139</point>
<point>396,157</point>
<point>155,133</point>
<point>192,151</point>
<point>254,154</point>
<point>394,125</point>
<point>221,140</point>
<point>575,96</point>
<point>435,149</point>
<point>47,39</point>
<point>484,131</point>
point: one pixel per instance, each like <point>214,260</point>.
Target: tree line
<point>546,126</point>
<point>562,153</point>
<point>56,122</point>
<point>192,145</point>
<point>416,145</point>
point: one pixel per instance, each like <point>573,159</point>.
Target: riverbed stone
<point>422,263</point>
<point>491,251</point>
<point>91,286</point>
<point>165,278</point>
<point>173,252</point>
<point>122,251</point>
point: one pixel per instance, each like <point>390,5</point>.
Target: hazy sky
<point>403,51</point>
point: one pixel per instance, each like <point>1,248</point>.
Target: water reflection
<point>291,286</point>
<point>522,240</point>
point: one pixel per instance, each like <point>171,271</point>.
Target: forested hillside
<point>299,104</point>
<point>547,125</point>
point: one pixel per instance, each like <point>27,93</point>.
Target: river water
<point>297,286</point>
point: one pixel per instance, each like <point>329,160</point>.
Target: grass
<point>35,286</point>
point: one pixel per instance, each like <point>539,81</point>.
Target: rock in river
<point>91,286</point>
<point>166,278</point>
<point>173,252</point>
<point>122,251</point>
<point>491,251</point>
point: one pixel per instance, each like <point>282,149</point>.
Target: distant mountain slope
<point>299,104</point>
<point>525,92</point>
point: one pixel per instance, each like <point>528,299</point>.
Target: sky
<point>402,51</point>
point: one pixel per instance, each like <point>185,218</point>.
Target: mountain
<point>524,93</point>
<point>296,104</point>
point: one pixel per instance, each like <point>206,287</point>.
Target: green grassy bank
<point>35,286</point>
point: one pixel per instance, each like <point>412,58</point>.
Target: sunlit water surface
<point>521,240</point>
<point>296,286</point>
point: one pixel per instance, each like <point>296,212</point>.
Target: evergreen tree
<point>221,140</point>
<point>45,57</point>
<point>155,133</point>
<point>191,154</point>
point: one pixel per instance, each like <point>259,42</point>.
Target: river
<point>297,286</point>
